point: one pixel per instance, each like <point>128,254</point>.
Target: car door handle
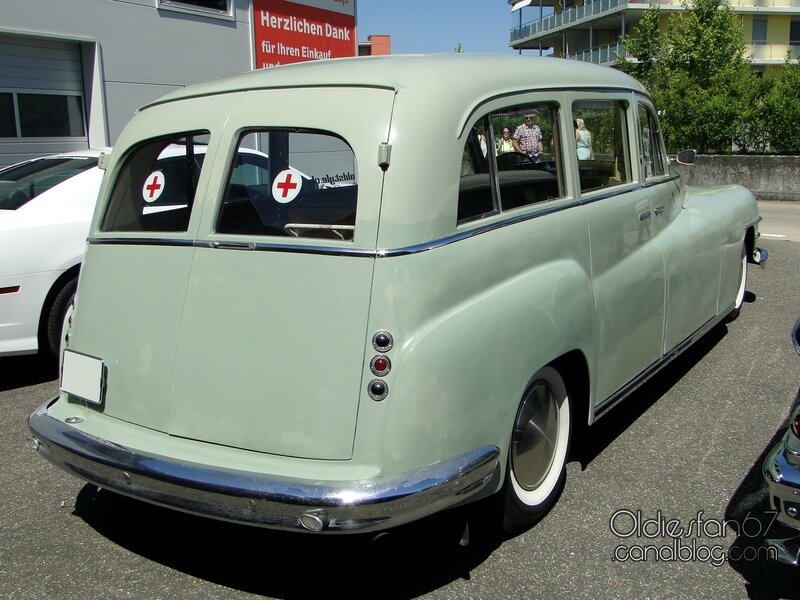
<point>234,245</point>
<point>659,210</point>
<point>643,216</point>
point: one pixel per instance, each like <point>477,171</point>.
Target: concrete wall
<point>768,177</point>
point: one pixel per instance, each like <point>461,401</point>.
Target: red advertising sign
<point>289,32</point>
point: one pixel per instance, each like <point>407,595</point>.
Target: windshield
<point>20,184</point>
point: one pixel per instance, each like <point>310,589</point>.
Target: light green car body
<point>255,358</point>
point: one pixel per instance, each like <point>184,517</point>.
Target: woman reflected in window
<point>583,139</point>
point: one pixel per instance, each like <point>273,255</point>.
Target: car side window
<point>652,147</point>
<point>511,159</point>
<point>476,197</point>
<point>530,171</point>
<point>22,183</point>
<point>290,184</point>
<point>601,143</point>
<point>155,187</point>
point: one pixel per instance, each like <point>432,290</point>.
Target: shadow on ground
<point>407,562</point>
<point>604,431</point>
<point>23,371</point>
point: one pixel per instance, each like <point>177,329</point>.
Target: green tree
<point>646,46</point>
<point>699,76</point>
<point>783,105</point>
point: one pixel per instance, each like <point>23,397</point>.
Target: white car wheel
<point>538,451</point>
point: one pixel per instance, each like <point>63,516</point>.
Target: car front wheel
<point>737,304</point>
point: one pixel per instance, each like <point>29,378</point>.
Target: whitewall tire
<point>537,454</point>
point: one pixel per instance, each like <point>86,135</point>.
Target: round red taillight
<point>380,365</point>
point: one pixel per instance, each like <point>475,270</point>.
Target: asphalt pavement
<point>685,448</point>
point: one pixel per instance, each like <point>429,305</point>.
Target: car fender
<point>443,386</point>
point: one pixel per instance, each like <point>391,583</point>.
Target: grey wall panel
<point>125,99</point>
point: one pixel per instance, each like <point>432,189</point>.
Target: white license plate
<point>83,376</point>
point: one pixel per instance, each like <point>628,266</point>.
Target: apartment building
<point>590,30</point>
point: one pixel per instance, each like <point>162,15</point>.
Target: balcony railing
<point>567,17</point>
<point>607,54</point>
<point>600,7</point>
<point>601,55</point>
<point>773,52</point>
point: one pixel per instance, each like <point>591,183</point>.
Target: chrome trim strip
<point>237,245</point>
<point>309,249</point>
<point>341,251</point>
<point>665,179</point>
<point>615,191</point>
<point>140,241</point>
<point>466,234</point>
<point>627,389</point>
<point>256,498</point>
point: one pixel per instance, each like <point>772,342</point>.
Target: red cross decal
<point>153,186</point>
<point>286,185</point>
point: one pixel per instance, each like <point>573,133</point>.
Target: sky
<point>425,26</point>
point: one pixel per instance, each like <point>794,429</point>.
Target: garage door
<point>41,98</point>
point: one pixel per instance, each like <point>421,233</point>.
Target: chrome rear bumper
<point>258,499</point>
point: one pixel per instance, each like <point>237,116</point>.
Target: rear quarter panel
<point>473,321</point>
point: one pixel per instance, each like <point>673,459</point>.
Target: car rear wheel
<point>538,451</point>
<point>56,315</point>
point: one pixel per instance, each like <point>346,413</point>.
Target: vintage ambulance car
<point>393,316</point>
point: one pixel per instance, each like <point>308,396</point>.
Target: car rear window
<point>292,184</point>
<point>20,184</point>
<point>155,188</point>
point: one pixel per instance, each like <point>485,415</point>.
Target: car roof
<point>87,153</point>
<point>463,76</point>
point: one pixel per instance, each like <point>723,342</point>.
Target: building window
<point>219,8</point>
<point>794,32</point>
<point>759,31</point>
<point>41,115</point>
<point>8,124</point>
<point>46,115</point>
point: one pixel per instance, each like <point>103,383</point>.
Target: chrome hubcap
<point>533,444</point>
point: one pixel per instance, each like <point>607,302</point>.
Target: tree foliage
<point>783,109</point>
<point>701,79</point>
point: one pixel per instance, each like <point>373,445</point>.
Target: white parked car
<point>46,205</point>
